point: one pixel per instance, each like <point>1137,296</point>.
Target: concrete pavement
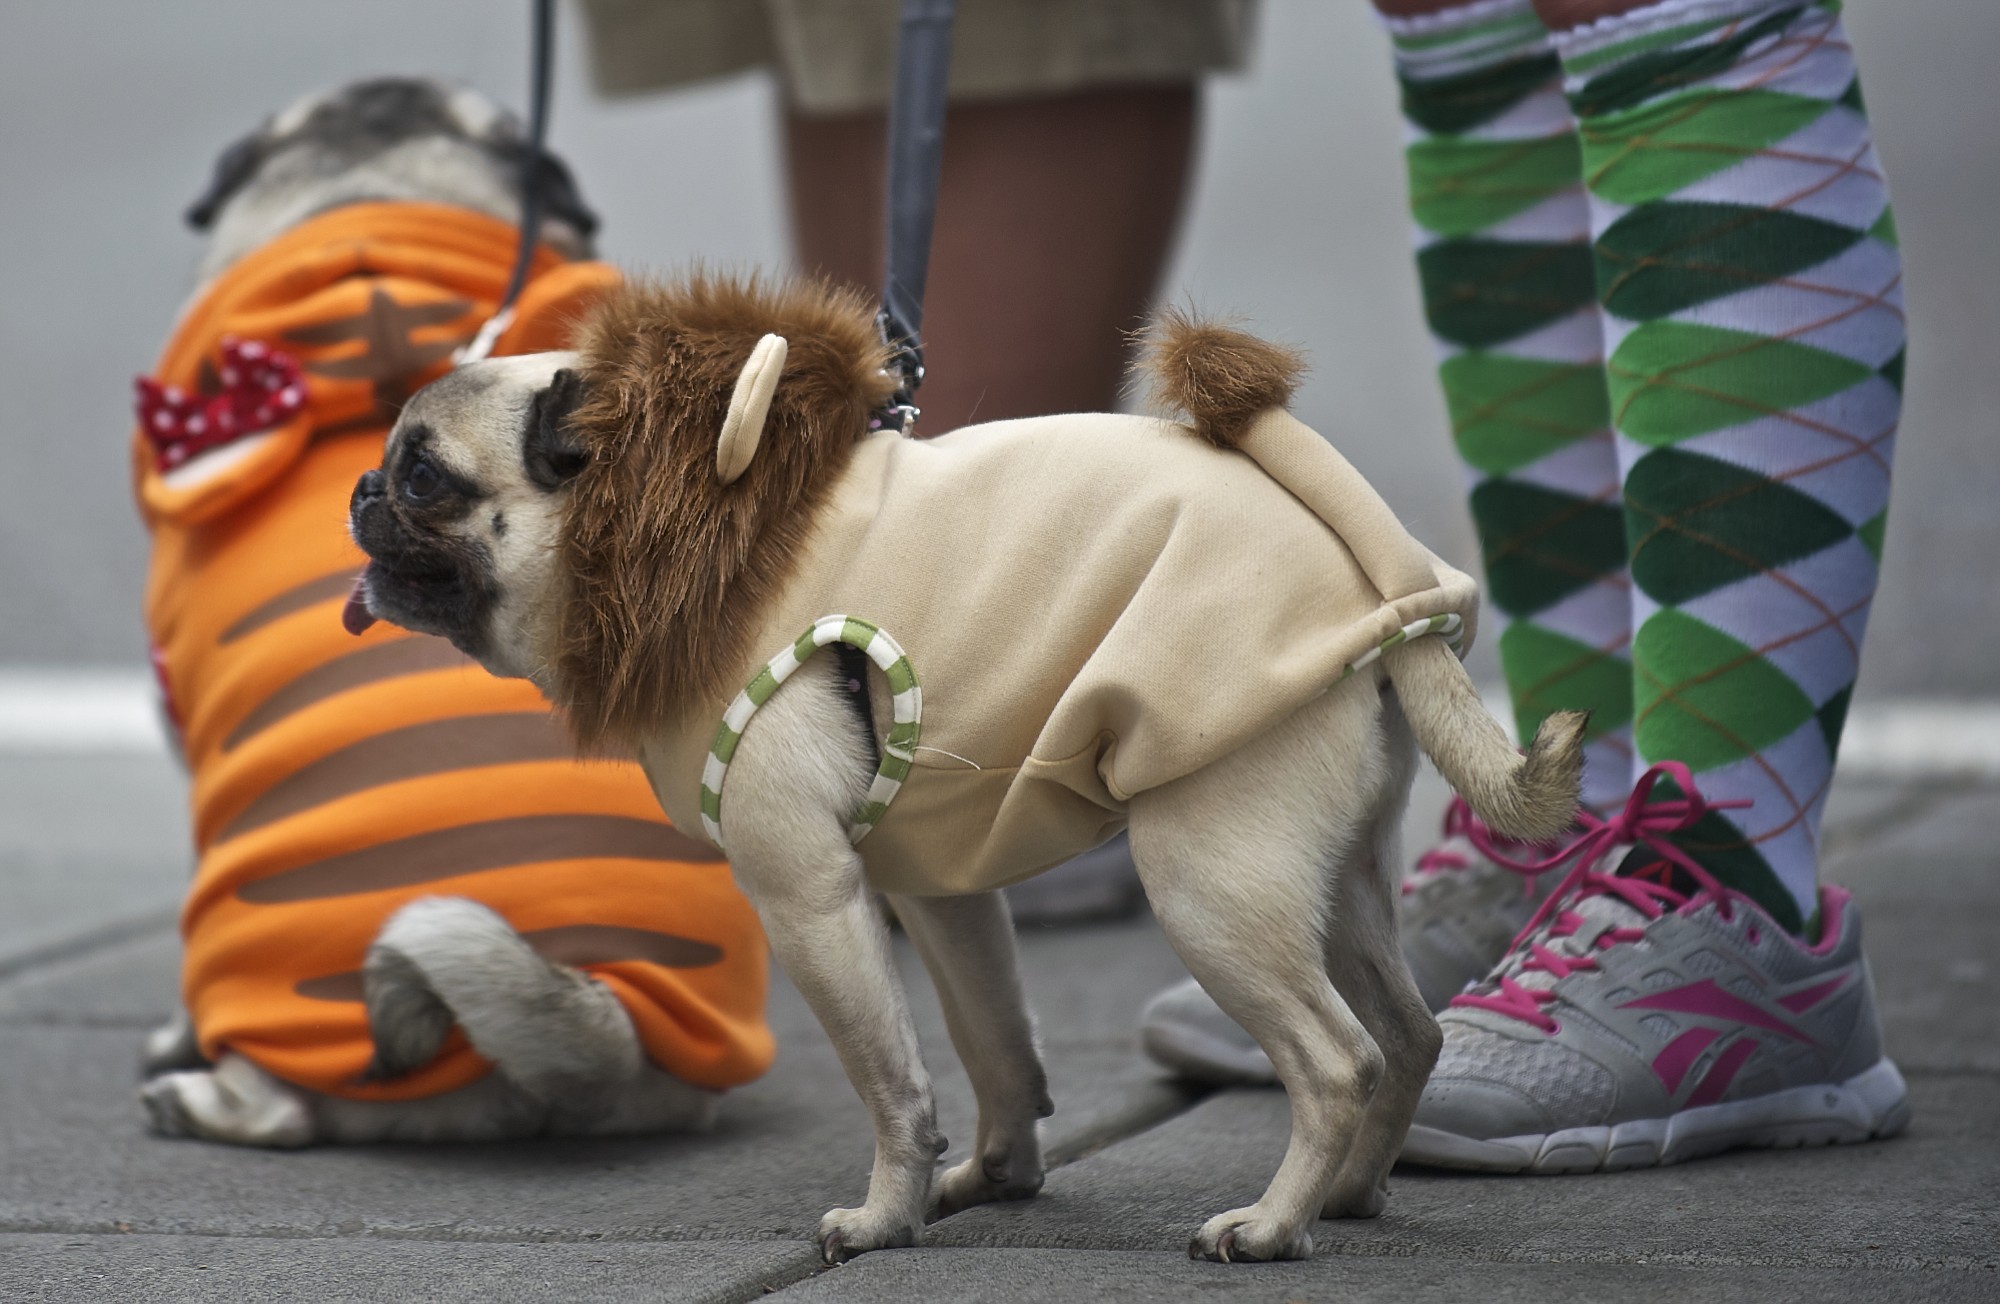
<point>91,1208</point>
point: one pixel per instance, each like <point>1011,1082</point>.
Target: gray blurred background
<point>110,114</point>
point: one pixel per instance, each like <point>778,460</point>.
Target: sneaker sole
<point>1871,1105</point>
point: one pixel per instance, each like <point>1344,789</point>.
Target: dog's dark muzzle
<point>414,579</point>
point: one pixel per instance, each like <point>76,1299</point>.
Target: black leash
<point>542,42</point>
<point>916,151</point>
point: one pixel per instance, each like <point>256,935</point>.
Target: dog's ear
<point>561,200</point>
<point>233,170</point>
<point>549,450</point>
<point>749,404</point>
<point>560,197</point>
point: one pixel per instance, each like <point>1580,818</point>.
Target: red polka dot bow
<point>257,388</point>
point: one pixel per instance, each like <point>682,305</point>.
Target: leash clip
<point>899,417</point>
<point>905,366</point>
<point>481,345</point>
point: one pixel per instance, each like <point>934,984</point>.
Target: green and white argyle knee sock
<point>1747,264</point>
<point>1503,234</point>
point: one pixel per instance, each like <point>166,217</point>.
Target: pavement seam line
<point>1849,1260</point>
<point>80,945</point>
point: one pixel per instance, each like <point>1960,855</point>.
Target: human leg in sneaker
<point>1703,991</point>
<point>1706,992</point>
<point>1650,1014</point>
<point>1503,239</point>
<point>1504,260</point>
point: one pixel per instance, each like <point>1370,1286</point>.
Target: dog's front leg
<point>798,774</point>
<point>967,943</point>
<point>833,945</point>
<point>235,1102</point>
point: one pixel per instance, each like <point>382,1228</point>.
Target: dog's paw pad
<point>1249,1235</point>
<point>982,1181</point>
<point>844,1233</point>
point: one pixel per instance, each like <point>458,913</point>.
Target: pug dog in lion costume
<point>858,661</point>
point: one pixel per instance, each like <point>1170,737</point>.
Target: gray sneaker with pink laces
<point>1654,1015</point>
<point>1463,904</point>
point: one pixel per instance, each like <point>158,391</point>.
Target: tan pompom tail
<point>1220,379</point>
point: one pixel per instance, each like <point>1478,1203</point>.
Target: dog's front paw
<point>844,1233</point>
<point>1249,1234</point>
<point>983,1181</point>
<point>236,1103</point>
<point>165,1114</point>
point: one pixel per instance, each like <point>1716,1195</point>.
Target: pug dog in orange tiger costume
<point>415,915</point>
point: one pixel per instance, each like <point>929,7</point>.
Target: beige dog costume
<point>1104,631</point>
<point>1066,610</point>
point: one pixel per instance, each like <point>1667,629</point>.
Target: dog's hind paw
<point>1368,1202</point>
<point>844,1233</point>
<point>982,1181</point>
<point>1249,1235</point>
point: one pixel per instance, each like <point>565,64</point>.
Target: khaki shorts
<point>838,56</point>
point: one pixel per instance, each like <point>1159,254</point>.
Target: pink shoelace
<point>1643,822</point>
<point>1460,824</point>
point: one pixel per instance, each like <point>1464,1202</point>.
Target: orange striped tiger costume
<point>335,779</point>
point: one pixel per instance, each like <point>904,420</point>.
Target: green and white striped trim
<point>898,749</point>
<point>1448,626</point>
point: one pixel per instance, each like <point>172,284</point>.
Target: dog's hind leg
<point>1234,859</point>
<point>1364,957</point>
<point>967,943</point>
<point>798,774</point>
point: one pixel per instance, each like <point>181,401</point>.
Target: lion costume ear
<point>749,404</point>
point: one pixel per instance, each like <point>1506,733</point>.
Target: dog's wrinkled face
<point>460,522</point>
<point>384,138</point>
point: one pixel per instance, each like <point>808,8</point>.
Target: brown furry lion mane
<point>668,569</point>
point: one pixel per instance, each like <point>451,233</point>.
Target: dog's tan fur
<point>1272,869</point>
<point>665,565</point>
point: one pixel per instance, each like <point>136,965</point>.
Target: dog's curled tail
<point>1531,796</point>
<point>1220,379</point>
<point>441,961</point>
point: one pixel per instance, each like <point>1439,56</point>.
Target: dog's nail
<point>832,1250</point>
<point>1225,1245</point>
<point>940,1144</point>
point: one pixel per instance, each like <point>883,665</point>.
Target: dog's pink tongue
<point>355,616</point>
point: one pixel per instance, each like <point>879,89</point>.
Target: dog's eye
<point>421,480</point>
